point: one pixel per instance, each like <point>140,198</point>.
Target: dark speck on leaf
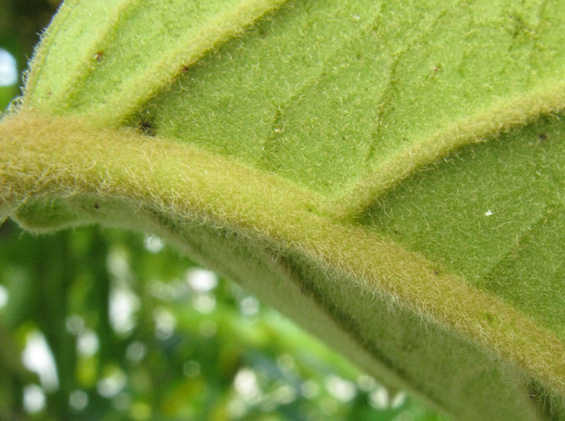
<point>147,128</point>
<point>542,137</point>
<point>99,56</point>
<point>96,205</point>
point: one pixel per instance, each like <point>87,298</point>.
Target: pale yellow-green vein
<point>178,57</point>
<point>56,72</point>
<point>482,127</point>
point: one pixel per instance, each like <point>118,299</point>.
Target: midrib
<point>183,181</point>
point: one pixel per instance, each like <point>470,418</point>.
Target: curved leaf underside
<point>386,173</point>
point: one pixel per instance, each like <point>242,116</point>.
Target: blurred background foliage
<point>109,325</point>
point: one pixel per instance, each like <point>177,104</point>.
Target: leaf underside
<point>386,173</point>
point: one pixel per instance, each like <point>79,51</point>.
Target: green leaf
<point>386,173</point>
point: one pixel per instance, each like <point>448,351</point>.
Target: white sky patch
<point>202,280</point>
<point>88,343</point>
<point>246,384</point>
<point>204,303</point>
<point>37,357</point>
<point>169,291</point>
<point>78,400</point>
<point>118,265</point>
<point>8,69</point>
<point>398,400</point>
<point>366,383</point>
<point>154,244</point>
<point>249,306</point>
<point>111,385</point>
<point>123,305</point>
<point>165,323</point>
<point>309,389</point>
<point>34,399</point>
<point>136,351</point>
<point>379,398</point>
<point>339,388</point>
<point>4,296</point>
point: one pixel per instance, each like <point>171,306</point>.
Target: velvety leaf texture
<point>387,173</point>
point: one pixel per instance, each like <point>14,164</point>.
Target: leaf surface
<point>386,173</point>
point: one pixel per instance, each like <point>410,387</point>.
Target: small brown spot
<point>542,137</point>
<point>96,205</point>
<point>147,128</point>
<point>436,272</point>
<point>184,69</point>
<point>99,56</point>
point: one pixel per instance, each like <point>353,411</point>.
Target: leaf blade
<point>295,165</point>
